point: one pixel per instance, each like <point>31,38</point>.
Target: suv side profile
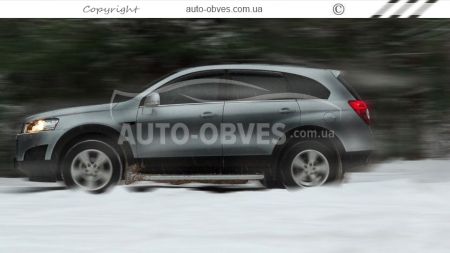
<point>284,125</point>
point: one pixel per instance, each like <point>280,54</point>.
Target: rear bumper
<point>356,160</point>
<point>38,170</point>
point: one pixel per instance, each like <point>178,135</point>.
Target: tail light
<point>361,108</point>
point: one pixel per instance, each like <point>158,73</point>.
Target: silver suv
<point>286,126</point>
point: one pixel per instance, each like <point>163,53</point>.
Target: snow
<point>398,206</point>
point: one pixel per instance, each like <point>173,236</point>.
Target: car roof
<point>258,66</point>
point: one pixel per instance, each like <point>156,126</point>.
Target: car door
<point>178,144</point>
<point>259,105</point>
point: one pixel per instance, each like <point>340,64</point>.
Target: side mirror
<point>152,100</point>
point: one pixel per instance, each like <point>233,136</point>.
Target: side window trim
<point>194,103</point>
<point>226,74</point>
<point>212,71</point>
<point>255,72</point>
<point>186,78</point>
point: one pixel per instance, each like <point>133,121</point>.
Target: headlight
<point>40,125</point>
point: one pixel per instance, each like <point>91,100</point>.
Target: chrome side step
<point>133,174</point>
<point>135,177</point>
<point>150,177</point>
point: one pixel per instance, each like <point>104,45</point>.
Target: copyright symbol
<point>338,9</point>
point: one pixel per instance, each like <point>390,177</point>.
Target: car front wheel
<point>91,165</point>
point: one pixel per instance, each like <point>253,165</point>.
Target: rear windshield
<point>348,87</point>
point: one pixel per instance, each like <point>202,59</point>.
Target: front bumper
<point>25,142</point>
<point>38,170</point>
<point>33,156</point>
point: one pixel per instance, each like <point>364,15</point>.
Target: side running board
<point>135,177</point>
<point>150,177</point>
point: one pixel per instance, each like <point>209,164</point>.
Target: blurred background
<point>400,66</point>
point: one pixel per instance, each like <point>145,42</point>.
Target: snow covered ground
<point>397,207</point>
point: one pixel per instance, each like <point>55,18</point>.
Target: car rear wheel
<point>309,164</point>
<point>91,165</point>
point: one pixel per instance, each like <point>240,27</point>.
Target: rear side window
<point>255,84</point>
<point>307,87</point>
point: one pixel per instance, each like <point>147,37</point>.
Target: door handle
<point>285,110</point>
<point>207,115</point>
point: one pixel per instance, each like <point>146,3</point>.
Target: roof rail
<point>262,62</point>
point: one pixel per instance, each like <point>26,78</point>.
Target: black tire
<point>93,145</point>
<point>332,157</point>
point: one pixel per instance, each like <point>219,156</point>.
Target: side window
<point>307,87</point>
<point>199,87</point>
<point>249,85</point>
